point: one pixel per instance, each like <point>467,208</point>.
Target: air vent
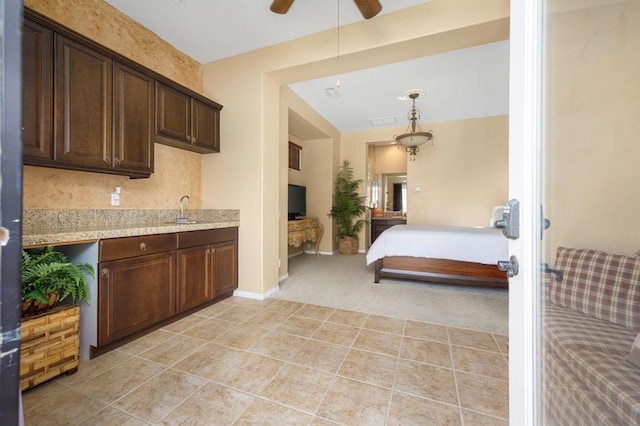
<point>385,121</point>
<point>332,93</point>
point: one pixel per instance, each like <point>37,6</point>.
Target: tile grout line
<point>455,377</point>
<point>335,375</point>
<point>395,373</point>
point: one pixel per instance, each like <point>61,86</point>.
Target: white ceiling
<point>464,84</point>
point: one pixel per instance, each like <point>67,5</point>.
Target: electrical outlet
<point>115,196</point>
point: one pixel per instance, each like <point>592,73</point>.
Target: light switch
<point>417,189</point>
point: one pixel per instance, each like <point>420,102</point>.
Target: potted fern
<point>48,279</point>
<point>52,288</point>
<point>348,207</point>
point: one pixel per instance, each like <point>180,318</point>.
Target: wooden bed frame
<point>441,271</point>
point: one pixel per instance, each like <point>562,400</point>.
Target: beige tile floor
<point>278,362</point>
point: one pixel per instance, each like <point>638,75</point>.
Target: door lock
<point>511,266</point>
<point>510,222</point>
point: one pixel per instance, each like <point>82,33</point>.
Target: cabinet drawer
<point>379,228</point>
<point>120,248</point>
<point>209,236</point>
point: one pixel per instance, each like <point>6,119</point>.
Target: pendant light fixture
<point>413,137</point>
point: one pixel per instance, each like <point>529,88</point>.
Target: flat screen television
<point>297,201</point>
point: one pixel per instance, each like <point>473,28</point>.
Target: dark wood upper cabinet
<point>83,105</point>
<point>133,117</point>
<point>205,125</point>
<point>37,91</point>
<point>88,108</point>
<point>173,114</point>
<point>185,122</point>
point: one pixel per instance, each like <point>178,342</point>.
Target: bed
<point>441,254</point>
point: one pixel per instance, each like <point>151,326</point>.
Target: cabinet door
<point>194,285</point>
<point>134,294</point>
<point>37,92</point>
<point>133,115</point>
<point>83,109</point>
<point>205,126</point>
<point>173,119</point>
<point>225,267</point>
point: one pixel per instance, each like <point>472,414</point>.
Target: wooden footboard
<point>440,271</point>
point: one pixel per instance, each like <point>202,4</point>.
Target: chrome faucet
<point>182,218</point>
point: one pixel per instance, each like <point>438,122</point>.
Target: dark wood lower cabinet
<point>225,267</point>
<point>134,294</point>
<point>144,281</point>
<point>206,271</point>
<point>378,226</point>
<point>194,277</point>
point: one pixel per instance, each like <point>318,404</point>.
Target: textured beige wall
<point>390,159</point>
<point>593,122</point>
<point>462,175</point>
<point>177,172</point>
<point>100,22</point>
<point>251,127</point>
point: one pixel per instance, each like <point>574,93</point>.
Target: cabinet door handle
<point>107,160</point>
<point>143,247</point>
<point>189,139</point>
<point>207,252</point>
<point>116,161</point>
<point>104,273</point>
<point>193,140</point>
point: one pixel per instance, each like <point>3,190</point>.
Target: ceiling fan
<point>368,8</point>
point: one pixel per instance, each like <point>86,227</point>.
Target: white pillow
<point>496,214</point>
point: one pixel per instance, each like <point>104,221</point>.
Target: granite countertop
<point>64,227</point>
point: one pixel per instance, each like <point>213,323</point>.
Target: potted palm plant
<point>348,207</point>
<point>52,288</point>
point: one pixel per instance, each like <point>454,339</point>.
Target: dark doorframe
<point>397,197</point>
<point>10,208</point>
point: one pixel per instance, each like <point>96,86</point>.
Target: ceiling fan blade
<point>368,8</point>
<point>281,6</point>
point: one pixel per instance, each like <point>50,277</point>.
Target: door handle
<point>511,266</point>
<point>549,270</point>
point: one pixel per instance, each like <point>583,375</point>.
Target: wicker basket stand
<point>348,245</point>
<point>49,346</point>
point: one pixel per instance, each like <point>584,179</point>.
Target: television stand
<point>303,230</point>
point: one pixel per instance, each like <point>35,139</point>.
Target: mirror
<point>395,195</point>
<point>387,177</point>
<point>389,192</point>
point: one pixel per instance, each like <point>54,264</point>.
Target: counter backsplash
<point>80,218</point>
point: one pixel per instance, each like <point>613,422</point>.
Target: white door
<point>573,151</point>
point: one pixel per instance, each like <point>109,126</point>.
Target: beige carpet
<point>346,282</point>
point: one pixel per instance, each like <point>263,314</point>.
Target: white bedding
<point>480,245</point>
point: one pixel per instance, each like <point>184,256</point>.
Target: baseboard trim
<point>283,277</point>
<point>257,296</point>
<point>323,253</point>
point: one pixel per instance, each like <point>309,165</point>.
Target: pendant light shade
<point>413,137</point>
